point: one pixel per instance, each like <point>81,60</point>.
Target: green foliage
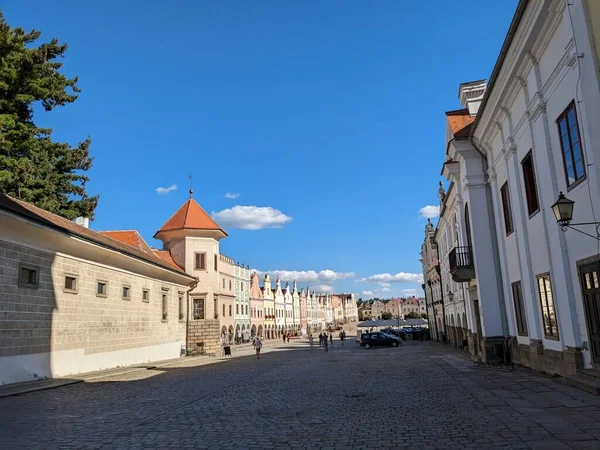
<point>386,315</point>
<point>413,315</point>
<point>424,316</point>
<point>33,167</point>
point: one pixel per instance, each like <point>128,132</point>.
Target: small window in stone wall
<point>146,295</point>
<point>165,307</point>
<point>181,307</point>
<point>101,289</point>
<point>198,309</point>
<point>28,276</point>
<point>126,292</point>
<point>71,284</point>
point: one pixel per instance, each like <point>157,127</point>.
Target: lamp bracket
<point>572,226</point>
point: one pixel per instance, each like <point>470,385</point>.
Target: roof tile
<point>191,216</point>
<point>460,122</point>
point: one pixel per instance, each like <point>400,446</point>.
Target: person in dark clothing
<point>330,339</point>
<point>320,339</point>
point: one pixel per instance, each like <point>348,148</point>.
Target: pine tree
<point>33,167</point>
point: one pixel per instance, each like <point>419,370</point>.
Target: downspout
<point>191,285</point>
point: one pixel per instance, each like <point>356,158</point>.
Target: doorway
<point>590,286</point>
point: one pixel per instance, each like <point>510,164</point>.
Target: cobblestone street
<point>423,395</point>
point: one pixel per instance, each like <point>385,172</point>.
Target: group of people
<point>325,340</point>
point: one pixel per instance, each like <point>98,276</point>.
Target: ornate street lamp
<point>563,212</point>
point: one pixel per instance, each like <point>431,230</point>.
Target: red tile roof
<point>460,122</point>
<point>129,237</point>
<point>63,225</point>
<point>165,255</point>
<point>190,216</point>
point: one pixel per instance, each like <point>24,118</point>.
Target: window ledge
<point>577,183</point>
<point>181,320</point>
<point>164,320</point>
<point>102,295</point>
<point>69,291</point>
<point>127,299</point>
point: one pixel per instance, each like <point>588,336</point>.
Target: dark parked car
<point>369,340</point>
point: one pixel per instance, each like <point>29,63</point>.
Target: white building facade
<point>530,290</point>
<point>242,301</point>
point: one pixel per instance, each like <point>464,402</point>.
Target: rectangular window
<point>181,306</point>
<point>547,305</point>
<point>570,143</point>
<point>223,283</point>
<point>126,292</point>
<point>230,310</point>
<point>242,287</point>
<point>215,263</point>
<point>165,307</point>
<point>101,289</point>
<point>146,295</point>
<point>229,285</point>
<point>28,276</point>
<point>246,309</point>
<point>237,309</point>
<point>519,309</point>
<point>71,284</point>
<point>533,205</point>
<point>506,208</point>
<point>223,310</point>
<point>200,261</point>
<point>198,309</point>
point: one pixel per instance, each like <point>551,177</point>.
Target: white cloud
<point>429,212</point>
<point>166,190</point>
<point>383,284</point>
<point>409,292</point>
<point>385,289</point>
<point>312,277</point>
<point>251,217</point>
<point>232,195</point>
<point>400,277</point>
<point>367,293</point>
<point>322,288</point>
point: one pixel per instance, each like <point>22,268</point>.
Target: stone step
<point>592,374</point>
<point>584,382</point>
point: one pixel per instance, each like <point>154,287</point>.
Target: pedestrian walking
<point>310,339</point>
<point>288,338</point>
<point>325,343</point>
<point>257,346</point>
<point>283,336</point>
<point>320,339</point>
<point>330,339</point>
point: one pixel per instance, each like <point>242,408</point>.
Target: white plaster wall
<point>66,363</point>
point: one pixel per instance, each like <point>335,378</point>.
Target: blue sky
<point>326,117</point>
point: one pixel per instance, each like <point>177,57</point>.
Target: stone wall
<point>48,331</point>
<point>204,337</point>
<point>553,362</point>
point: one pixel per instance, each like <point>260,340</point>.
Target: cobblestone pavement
<point>423,396</point>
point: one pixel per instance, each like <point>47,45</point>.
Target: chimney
<point>83,221</point>
<point>470,95</point>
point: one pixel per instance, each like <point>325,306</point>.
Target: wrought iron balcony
<point>461,264</point>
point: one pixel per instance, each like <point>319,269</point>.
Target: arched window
<point>468,225</point>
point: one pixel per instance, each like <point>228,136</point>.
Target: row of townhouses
<point>512,267</point>
<point>397,307</point>
<point>278,311</point>
<point>75,300</point>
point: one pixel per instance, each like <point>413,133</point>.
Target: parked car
<point>379,338</point>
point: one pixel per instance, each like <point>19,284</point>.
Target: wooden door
<point>590,285</point>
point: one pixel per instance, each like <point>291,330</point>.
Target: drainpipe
<point>191,285</point>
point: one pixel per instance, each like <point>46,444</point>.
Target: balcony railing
<point>460,260</point>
